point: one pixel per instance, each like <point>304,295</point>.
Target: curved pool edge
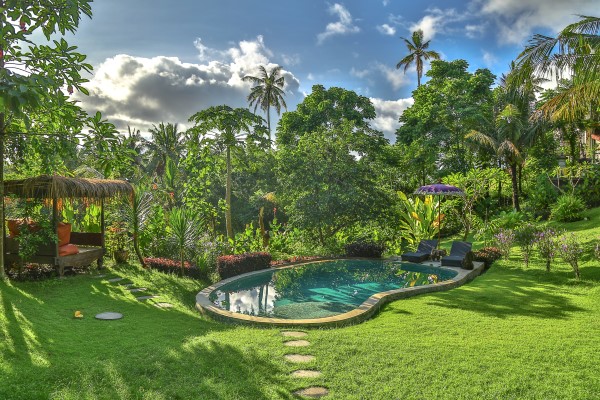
<point>363,312</point>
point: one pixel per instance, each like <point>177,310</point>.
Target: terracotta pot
<point>121,256</point>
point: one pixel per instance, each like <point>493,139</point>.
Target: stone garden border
<point>363,312</point>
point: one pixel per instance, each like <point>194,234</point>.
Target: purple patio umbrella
<point>439,189</point>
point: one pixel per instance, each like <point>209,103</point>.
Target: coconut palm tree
<point>227,130</point>
<point>268,92</point>
<point>573,53</point>
<point>417,53</point>
<point>167,143</point>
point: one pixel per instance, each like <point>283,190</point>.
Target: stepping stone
<point>299,358</point>
<point>142,298</point>
<point>127,285</point>
<point>314,392</point>
<point>163,305</point>
<point>306,373</point>
<point>140,289</point>
<point>297,343</point>
<point>109,315</point>
<point>100,276</point>
<point>295,334</point>
<point>115,279</point>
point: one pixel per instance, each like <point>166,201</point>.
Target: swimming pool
<point>319,290</point>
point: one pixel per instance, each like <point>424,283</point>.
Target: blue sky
<point>162,60</point>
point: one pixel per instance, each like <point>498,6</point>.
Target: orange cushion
<point>63,230</point>
<point>67,250</point>
<point>13,226</point>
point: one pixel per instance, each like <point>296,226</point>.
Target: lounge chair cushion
<point>67,250</point>
<point>63,230</point>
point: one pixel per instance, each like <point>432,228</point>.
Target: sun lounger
<point>458,252</point>
<point>423,251</point>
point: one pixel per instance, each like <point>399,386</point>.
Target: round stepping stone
<point>299,358</point>
<point>140,289</point>
<point>142,298</point>
<point>115,279</point>
<point>306,373</point>
<point>297,343</point>
<point>295,334</point>
<point>314,392</point>
<point>163,305</point>
<point>100,276</point>
<point>109,315</point>
<point>127,285</point>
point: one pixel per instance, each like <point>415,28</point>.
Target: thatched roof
<point>60,187</point>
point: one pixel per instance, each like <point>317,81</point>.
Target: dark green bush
<point>567,208</point>
<point>589,186</point>
<point>237,264</point>
<point>364,249</point>
<point>167,265</point>
<point>487,255</point>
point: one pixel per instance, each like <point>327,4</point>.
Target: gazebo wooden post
<point>55,230</point>
<point>102,230</point>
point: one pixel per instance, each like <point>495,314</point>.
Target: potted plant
<point>118,241</point>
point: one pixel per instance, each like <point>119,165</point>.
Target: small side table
<point>437,254</point>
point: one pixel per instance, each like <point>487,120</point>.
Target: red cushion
<point>67,250</point>
<point>13,226</point>
<point>63,230</point>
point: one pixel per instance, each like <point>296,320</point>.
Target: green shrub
<point>364,249</point>
<point>568,208</point>
<point>237,264</point>
<point>541,197</point>
<point>525,236</point>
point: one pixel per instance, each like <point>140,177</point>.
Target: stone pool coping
<point>363,312</point>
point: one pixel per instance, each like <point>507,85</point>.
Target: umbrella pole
<point>439,221</point>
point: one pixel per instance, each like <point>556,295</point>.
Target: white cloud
<point>359,73</point>
<point>343,26</point>
<point>386,2</point>
<point>310,77</point>
<point>140,91</point>
<point>395,77</point>
<point>517,19</point>
<point>385,29</point>
<point>474,31</point>
<point>489,59</point>
<point>290,59</point>
<point>436,21</point>
<point>388,112</point>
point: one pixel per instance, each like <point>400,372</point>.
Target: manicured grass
<point>513,333</point>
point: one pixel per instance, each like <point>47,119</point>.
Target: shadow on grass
<point>504,292</point>
<point>45,352</point>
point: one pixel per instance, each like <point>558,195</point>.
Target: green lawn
<point>513,333</point>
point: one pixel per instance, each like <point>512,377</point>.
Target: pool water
<point>321,289</point>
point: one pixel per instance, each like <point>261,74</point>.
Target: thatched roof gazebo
<point>54,188</point>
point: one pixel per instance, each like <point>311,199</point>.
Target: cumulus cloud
<point>436,21</point>
<point>517,19</point>
<point>395,77</point>
<point>386,29</point>
<point>343,26</point>
<point>140,91</point>
<point>474,31</point>
<point>360,73</point>
<point>388,113</point>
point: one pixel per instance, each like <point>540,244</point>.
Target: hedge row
<point>171,266</point>
<point>364,249</point>
<point>487,255</point>
<point>237,264</point>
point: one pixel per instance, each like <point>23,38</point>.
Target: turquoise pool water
<point>321,289</point>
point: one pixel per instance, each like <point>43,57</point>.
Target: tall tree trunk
<point>499,187</point>
<point>269,117</point>
<point>515,186</point>
<point>228,224</point>
<point>2,137</point>
<point>520,169</point>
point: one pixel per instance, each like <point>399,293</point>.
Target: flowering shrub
<point>364,249</point>
<point>546,243</point>
<point>487,255</point>
<point>504,240</point>
<point>236,264</point>
<point>525,237</point>
<point>172,266</point>
<point>570,251</point>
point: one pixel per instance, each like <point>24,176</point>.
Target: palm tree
<point>135,212</point>
<point>268,92</point>
<point>417,53</point>
<point>184,233</point>
<point>167,144</point>
<point>574,51</point>
<point>226,130</point>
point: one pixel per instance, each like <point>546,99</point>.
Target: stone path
<point>129,286</point>
<point>314,392</point>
